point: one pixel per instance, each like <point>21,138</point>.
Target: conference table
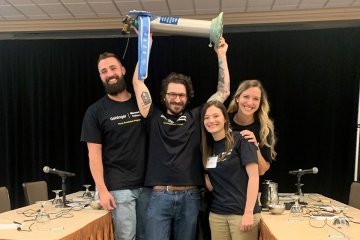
<point>316,222</point>
<point>78,222</point>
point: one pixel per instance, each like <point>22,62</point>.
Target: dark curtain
<point>311,76</point>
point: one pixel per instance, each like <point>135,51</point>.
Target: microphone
<point>301,172</point>
<point>46,169</point>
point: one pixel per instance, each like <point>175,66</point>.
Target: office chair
<point>4,200</point>
<point>354,197</point>
<point>35,191</point>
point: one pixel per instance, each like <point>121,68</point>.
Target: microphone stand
<point>298,185</point>
<point>63,187</point>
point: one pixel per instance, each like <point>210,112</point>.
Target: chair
<point>35,191</point>
<point>354,197</point>
<point>4,200</point>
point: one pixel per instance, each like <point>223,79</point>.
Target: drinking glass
<point>87,194</point>
<point>341,221</point>
<point>43,221</point>
<point>296,209</point>
<point>58,202</point>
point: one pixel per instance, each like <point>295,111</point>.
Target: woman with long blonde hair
<point>249,113</point>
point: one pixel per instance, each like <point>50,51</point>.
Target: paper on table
<point>286,196</point>
<point>9,226</point>
<point>80,199</point>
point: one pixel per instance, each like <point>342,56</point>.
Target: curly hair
<point>180,79</point>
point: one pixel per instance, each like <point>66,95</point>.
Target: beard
<point>114,88</point>
<point>175,108</point>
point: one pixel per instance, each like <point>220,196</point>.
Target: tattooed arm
<point>142,93</point>
<point>223,88</point>
<point>143,97</point>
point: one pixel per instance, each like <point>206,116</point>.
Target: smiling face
<point>214,122</point>
<point>249,101</point>
<point>175,98</point>
<point>112,75</point>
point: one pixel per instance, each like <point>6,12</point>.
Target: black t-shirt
<point>119,128</point>
<point>255,128</point>
<point>229,179</point>
<point>174,148</point>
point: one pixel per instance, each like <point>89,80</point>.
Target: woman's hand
<point>247,222</point>
<point>250,136</point>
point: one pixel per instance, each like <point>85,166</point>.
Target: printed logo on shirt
<point>223,156</point>
<point>118,117</point>
<point>179,122</point>
<point>127,118</point>
<point>135,114</point>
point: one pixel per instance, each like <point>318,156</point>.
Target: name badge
<point>211,163</point>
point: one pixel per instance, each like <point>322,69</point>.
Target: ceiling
<point>25,17</point>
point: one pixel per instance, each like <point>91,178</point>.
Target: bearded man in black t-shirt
<point>174,168</point>
<point>117,143</point>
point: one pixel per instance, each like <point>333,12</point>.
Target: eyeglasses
<point>173,95</point>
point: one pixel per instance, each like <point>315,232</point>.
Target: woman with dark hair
<point>231,174</point>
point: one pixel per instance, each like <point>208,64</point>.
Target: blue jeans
<point>178,209</point>
<point>129,217</point>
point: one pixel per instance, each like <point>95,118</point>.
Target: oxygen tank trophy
<point>145,22</point>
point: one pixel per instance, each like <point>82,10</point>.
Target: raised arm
<point>223,88</point>
<point>142,93</point>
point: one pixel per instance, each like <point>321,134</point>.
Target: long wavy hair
<point>207,141</point>
<point>262,114</point>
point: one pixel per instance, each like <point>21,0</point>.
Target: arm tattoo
<point>146,98</point>
<point>220,86</point>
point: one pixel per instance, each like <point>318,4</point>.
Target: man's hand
<point>137,33</point>
<point>107,201</point>
<point>222,48</point>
